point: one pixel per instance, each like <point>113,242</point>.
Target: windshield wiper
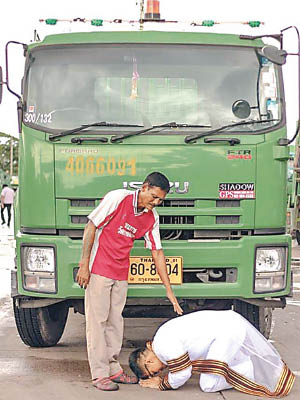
<point>118,138</point>
<point>82,127</point>
<point>191,138</point>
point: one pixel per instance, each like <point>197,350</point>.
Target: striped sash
<point>243,384</point>
<point>238,381</point>
<point>180,363</point>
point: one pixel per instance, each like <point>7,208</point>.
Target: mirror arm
<point>2,83</point>
<point>274,36</point>
<point>297,54</point>
<point>6,65</point>
<point>20,114</point>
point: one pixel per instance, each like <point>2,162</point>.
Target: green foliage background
<point>5,140</point>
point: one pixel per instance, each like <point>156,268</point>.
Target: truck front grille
<point>178,203</point>
<point>83,203</point>
<point>228,203</point>
<point>172,220</point>
<point>79,219</point>
<point>181,219</point>
<point>224,219</point>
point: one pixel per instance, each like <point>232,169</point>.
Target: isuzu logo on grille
<point>176,187</point>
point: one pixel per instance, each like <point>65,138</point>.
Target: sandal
<point>121,377</point>
<point>105,384</point>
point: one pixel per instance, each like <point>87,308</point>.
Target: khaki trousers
<point>104,302</point>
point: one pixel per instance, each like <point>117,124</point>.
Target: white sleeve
<point>177,379</point>
<point>105,210</point>
<point>152,237</point>
<point>171,352</point>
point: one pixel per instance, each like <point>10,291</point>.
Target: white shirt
<point>8,195</point>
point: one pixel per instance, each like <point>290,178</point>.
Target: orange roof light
<point>152,10</point>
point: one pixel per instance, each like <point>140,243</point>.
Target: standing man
<point>121,217</point>
<point>7,199</point>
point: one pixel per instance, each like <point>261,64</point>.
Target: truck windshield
<point>149,84</point>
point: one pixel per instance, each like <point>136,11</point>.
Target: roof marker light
<point>208,22</point>
<point>51,21</point>
<point>152,15</point>
<point>97,22</point>
<point>254,24</point>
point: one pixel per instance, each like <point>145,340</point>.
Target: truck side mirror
<point>241,109</point>
<point>275,55</point>
<point>1,84</point>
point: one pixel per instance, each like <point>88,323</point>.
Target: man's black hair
<point>134,363</point>
<point>159,180</point>
<point>4,185</point>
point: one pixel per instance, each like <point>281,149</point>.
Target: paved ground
<point>61,372</point>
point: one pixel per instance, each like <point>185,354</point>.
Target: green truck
<point>293,221</point>
<point>99,111</point>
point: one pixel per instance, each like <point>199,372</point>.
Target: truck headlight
<point>39,259</point>
<point>38,266</point>
<point>270,269</point>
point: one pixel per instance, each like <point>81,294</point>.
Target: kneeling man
<point>221,346</point>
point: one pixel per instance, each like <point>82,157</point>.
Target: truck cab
<point>100,110</point>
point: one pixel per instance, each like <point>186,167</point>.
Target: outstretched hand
<point>175,303</point>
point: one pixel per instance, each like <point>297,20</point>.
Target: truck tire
<point>260,317</point>
<point>43,326</point>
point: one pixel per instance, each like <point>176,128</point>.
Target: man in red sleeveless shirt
<point>121,217</point>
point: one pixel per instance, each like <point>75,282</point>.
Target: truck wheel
<point>43,326</point>
<point>298,236</point>
<point>260,317</point>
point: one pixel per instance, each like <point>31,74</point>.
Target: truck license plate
<point>142,270</point>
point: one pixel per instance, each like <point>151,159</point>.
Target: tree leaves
<point>5,144</point>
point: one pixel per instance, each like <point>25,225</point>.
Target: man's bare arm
<point>83,275</point>
<point>160,263</point>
